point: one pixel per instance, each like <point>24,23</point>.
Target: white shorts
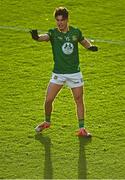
<point>71,80</point>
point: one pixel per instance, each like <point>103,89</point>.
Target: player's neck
<point>65,30</point>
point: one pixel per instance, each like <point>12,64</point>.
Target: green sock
<point>47,118</point>
<point>81,123</point>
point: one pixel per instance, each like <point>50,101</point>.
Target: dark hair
<point>61,11</point>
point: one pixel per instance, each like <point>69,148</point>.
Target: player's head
<point>61,16</point>
<point>61,11</point>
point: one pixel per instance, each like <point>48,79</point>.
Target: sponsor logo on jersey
<point>67,48</point>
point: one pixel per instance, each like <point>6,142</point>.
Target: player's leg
<point>52,92</point>
<point>78,97</point>
<point>79,100</point>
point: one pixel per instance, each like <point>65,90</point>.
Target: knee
<point>78,99</point>
<point>48,101</point>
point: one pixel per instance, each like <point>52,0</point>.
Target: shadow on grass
<point>82,166</point>
<point>48,169</point>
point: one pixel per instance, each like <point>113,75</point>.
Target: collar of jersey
<point>63,32</point>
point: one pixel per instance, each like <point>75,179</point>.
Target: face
<point>61,23</point>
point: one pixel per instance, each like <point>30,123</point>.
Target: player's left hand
<point>93,48</point>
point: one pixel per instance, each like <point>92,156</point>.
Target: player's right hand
<point>34,34</point>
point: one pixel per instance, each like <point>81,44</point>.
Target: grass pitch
<point>25,70</point>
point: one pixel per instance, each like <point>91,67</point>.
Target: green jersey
<point>65,50</point>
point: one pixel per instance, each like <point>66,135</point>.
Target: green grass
<point>25,70</point>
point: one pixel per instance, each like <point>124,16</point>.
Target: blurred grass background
<point>25,70</point>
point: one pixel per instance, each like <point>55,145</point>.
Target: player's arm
<point>86,44</point>
<point>40,38</point>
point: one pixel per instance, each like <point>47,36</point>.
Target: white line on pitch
<point>42,31</point>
